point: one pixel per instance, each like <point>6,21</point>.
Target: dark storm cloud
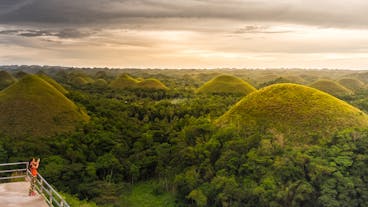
<point>326,13</point>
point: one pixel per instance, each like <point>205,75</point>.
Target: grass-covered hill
<point>352,84</point>
<point>79,78</point>
<point>152,83</point>
<point>6,79</point>
<point>101,82</point>
<point>78,81</point>
<point>32,106</point>
<point>125,81</point>
<point>331,87</point>
<point>293,113</point>
<point>53,83</point>
<point>226,84</point>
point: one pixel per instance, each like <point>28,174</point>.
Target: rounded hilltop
<point>152,83</point>
<point>352,83</point>
<point>226,84</point>
<point>52,82</point>
<point>293,113</point>
<point>331,87</point>
<point>34,107</point>
<point>125,81</point>
<point>6,79</point>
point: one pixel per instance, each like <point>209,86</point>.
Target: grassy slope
<point>53,83</point>
<point>152,83</point>
<point>126,81</point>
<point>123,81</point>
<point>226,84</point>
<point>331,87</point>
<point>6,79</point>
<point>142,196</point>
<point>293,112</point>
<point>352,84</point>
<point>33,106</point>
<point>101,82</point>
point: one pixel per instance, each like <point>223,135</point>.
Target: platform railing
<point>20,170</point>
<point>11,171</point>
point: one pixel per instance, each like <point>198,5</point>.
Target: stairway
<point>16,195</point>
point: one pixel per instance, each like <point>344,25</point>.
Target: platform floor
<point>16,195</point>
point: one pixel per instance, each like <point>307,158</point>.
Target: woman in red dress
<point>33,166</point>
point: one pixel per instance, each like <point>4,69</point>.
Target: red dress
<point>34,171</point>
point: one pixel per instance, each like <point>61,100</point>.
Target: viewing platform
<point>15,184</point>
<point>16,194</point>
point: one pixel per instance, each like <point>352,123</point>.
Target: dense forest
<point>164,146</point>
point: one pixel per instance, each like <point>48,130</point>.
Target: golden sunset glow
<point>185,34</point>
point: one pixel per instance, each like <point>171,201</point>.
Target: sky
<point>185,33</point>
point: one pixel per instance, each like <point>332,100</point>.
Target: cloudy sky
<point>185,33</point>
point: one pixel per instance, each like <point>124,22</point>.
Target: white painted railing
<point>19,170</point>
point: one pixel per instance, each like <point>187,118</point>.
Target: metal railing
<point>14,172</point>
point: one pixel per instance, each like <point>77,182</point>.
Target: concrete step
<point>16,195</point>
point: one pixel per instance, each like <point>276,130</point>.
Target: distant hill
<point>78,81</point>
<point>79,78</point>
<point>226,84</point>
<point>20,74</point>
<point>293,114</point>
<point>101,82</point>
<point>32,106</point>
<point>6,79</point>
<point>152,84</point>
<point>276,81</point>
<point>352,84</point>
<point>125,81</point>
<point>331,87</point>
<point>53,83</point>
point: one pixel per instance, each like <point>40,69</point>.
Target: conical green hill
<point>292,113</point>
<point>123,81</point>
<point>152,84</point>
<point>78,81</point>
<point>352,84</point>
<point>226,84</point>
<point>6,79</point>
<point>331,87</point>
<point>53,83</point>
<point>100,82</point>
<point>34,107</point>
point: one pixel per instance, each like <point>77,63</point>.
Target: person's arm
<point>38,162</point>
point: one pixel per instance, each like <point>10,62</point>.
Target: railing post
<point>50,197</point>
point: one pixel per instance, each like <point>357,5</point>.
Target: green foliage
<point>161,148</point>
<point>143,195</point>
<point>75,202</point>
<point>226,84</point>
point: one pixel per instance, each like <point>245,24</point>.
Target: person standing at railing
<point>33,166</point>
